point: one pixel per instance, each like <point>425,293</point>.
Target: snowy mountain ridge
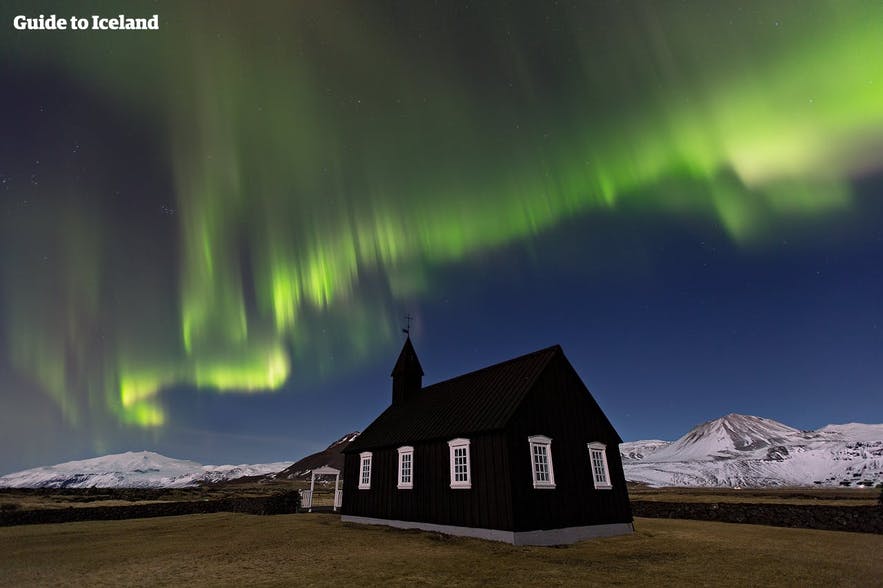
<point>141,469</point>
<point>750,451</point>
<point>734,450</point>
<point>637,450</point>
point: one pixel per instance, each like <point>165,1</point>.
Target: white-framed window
<point>598,461</point>
<point>365,471</point>
<point>541,461</point>
<point>460,466</point>
<point>406,467</point>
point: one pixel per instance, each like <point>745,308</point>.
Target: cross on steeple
<point>407,329</point>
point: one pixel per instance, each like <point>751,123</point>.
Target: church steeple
<point>407,375</point>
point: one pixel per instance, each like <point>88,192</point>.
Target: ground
<point>317,549</point>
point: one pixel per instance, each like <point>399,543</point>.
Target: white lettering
<point>120,22</point>
<point>41,23</point>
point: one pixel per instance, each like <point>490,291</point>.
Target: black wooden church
<point>517,452</point>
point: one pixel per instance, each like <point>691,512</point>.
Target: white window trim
<point>365,459</point>
<point>406,450</point>
<point>541,441</point>
<point>599,485</point>
<point>455,444</point>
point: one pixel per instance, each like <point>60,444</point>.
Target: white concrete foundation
<point>562,536</point>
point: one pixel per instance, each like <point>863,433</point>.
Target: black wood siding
<point>502,496</point>
<point>488,504</point>
<point>560,407</point>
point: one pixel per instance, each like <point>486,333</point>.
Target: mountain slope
<point>637,450</point>
<point>743,450</point>
<point>330,456</point>
<point>852,432</point>
<point>145,469</point>
<point>142,469</point>
<point>733,435</point>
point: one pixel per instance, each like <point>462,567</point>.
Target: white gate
<point>306,496</point>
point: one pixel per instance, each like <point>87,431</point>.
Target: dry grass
<point>236,549</point>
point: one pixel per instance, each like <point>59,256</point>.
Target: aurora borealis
<point>246,201</point>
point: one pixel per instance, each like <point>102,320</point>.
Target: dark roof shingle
<point>482,400</point>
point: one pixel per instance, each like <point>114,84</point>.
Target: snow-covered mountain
<point>636,450</point>
<point>142,469</point>
<point>734,450</point>
<point>743,450</point>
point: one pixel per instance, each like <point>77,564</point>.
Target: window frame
<point>607,484</point>
<point>453,445</point>
<point>403,451</point>
<point>365,458</point>
<point>536,441</point>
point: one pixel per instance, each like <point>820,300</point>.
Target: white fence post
<point>306,499</point>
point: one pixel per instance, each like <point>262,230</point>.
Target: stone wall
<point>862,519</point>
<point>263,505</point>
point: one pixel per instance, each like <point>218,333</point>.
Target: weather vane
<point>407,329</point>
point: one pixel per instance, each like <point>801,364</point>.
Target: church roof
<point>407,361</point>
<point>482,400</point>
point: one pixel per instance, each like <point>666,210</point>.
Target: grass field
<point>236,549</point>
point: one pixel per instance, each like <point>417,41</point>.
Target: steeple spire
<point>407,374</point>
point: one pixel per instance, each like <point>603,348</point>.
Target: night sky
<point>210,234</point>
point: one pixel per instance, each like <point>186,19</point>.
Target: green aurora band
<point>327,158</point>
